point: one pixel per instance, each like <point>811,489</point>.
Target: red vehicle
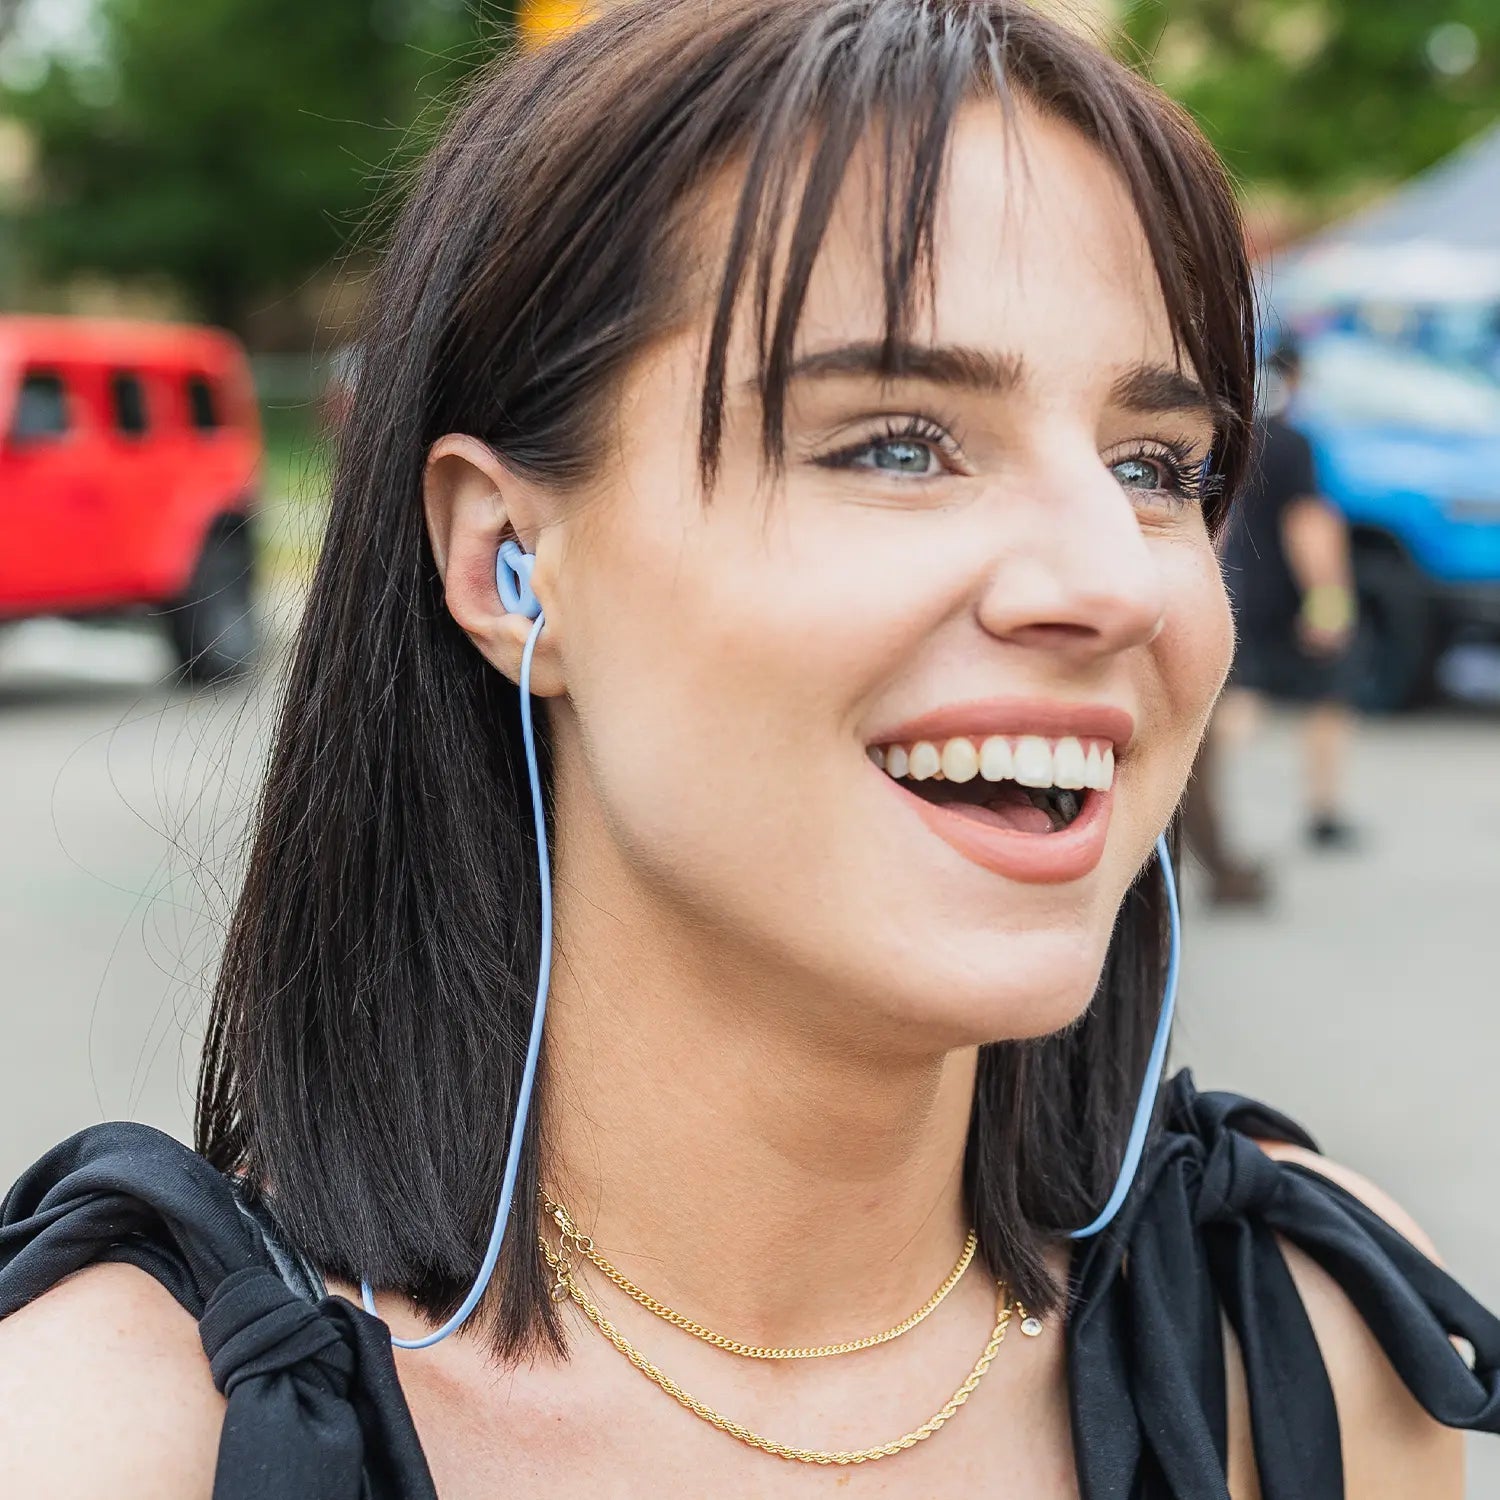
<point>128,472</point>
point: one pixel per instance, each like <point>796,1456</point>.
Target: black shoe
<point>1332,834</point>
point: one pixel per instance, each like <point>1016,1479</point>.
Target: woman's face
<point>994,567</point>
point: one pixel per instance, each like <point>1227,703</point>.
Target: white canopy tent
<point>1435,240</point>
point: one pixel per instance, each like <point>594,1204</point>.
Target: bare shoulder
<point>1359,1187</point>
<point>104,1389</point>
<point>1392,1449</point>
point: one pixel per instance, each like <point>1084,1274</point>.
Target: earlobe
<point>475,510</point>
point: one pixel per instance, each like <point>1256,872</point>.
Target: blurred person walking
<point>1288,567</point>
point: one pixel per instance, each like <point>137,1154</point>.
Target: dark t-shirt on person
<point>1259,578</point>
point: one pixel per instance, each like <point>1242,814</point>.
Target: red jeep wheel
<point>213,626</point>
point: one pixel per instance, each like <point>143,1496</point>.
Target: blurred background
<point>232,163</point>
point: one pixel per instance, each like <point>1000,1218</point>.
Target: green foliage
<point>238,147</point>
<point>1321,96</point>
<point>233,146</point>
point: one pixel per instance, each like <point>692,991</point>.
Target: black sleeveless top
<point>315,1411</point>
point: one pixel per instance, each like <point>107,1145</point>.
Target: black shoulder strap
<point>315,1411</point>
<point>1200,1235</point>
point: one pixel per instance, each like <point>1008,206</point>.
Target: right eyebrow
<point>1162,389</point>
<point>938,364</point>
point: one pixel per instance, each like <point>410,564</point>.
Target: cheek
<point>1216,637</point>
<point>1196,646</point>
<point>701,695</point>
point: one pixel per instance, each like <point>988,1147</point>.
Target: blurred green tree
<point>235,147</point>
<point>1324,96</point>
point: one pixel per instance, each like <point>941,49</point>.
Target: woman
<point>851,394</point>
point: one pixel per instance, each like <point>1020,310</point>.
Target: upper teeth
<point>1030,760</point>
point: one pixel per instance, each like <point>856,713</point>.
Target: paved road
<point>120,809</point>
<point>1367,1004</point>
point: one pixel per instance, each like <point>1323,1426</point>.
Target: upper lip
<point>1015,716</point>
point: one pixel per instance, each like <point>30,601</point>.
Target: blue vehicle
<point>1409,451</point>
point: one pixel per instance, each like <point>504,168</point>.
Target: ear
<point>472,503</point>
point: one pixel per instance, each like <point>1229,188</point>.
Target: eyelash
<point>910,429</point>
<point>1185,469</point>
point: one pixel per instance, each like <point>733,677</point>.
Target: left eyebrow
<point>1160,388</point>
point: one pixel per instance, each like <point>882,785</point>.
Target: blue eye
<point>899,456</point>
<point>1164,474</point>
<point>912,447</point>
<point>1137,474</point>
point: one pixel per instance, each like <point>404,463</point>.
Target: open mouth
<point>1024,784</point>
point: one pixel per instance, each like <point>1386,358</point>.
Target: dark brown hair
<point>370,1019</point>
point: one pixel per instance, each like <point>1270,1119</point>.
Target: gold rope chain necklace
<point>566,1285</point>
<point>585,1247</point>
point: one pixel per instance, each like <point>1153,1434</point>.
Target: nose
<point>1073,571</point>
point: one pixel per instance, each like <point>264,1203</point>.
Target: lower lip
<point>1039,858</point>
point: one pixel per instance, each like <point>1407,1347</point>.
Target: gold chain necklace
<point>585,1246</point>
<point>566,1285</point>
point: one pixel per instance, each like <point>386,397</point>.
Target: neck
<point>781,1186</point>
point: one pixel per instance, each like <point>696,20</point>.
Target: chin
<point>1011,987</point>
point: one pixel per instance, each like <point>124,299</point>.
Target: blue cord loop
<point>1155,1065</point>
<point>533,1046</point>
<point>1138,1130</point>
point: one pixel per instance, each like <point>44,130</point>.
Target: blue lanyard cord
<point>1156,1063</point>
<point>533,1048</point>
<point>1138,1130</point>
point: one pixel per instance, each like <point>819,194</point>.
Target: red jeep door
<point>56,547</point>
<point>134,408</point>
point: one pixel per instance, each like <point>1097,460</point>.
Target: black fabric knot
<point>1239,1181</point>
<point>287,1367</point>
<point>255,1326</point>
<point>314,1408</point>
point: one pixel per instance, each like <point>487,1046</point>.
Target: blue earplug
<point>513,579</point>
